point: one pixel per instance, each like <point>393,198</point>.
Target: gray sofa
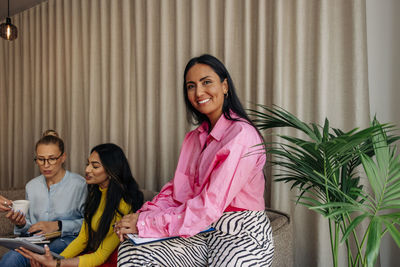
<point>280,222</point>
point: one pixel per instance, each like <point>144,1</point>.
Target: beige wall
<point>383,35</point>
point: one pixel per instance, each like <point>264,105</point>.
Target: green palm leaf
<point>374,241</point>
<point>394,233</point>
<point>356,221</point>
<point>323,164</point>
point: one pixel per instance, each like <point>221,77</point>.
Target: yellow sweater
<point>107,246</point>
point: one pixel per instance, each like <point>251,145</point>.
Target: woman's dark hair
<point>231,101</point>
<point>51,137</point>
<point>122,186</point>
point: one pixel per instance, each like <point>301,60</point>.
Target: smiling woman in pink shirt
<point>219,182</point>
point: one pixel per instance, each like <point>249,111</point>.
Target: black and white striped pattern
<point>243,239</point>
<point>240,239</point>
<point>185,252</point>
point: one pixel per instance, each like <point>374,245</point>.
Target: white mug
<point>21,205</point>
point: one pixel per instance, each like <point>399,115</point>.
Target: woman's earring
<point>226,94</point>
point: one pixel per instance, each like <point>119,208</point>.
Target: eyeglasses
<point>50,161</point>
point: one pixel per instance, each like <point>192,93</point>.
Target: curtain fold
<point>111,71</point>
<point>320,70</point>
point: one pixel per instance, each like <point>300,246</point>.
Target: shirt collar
<point>103,190</point>
<point>220,127</point>
<point>65,177</point>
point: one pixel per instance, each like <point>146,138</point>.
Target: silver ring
<point>5,202</point>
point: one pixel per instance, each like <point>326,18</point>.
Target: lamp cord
<point>8,8</point>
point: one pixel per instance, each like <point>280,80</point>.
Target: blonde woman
<point>56,199</point>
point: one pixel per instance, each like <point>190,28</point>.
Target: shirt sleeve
<point>231,167</point>
<point>72,226</point>
<point>164,199</point>
<point>106,248</point>
<point>161,201</point>
<point>77,246</point>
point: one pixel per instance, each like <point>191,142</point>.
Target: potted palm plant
<point>323,166</point>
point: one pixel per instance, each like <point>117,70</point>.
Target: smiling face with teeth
<point>205,91</point>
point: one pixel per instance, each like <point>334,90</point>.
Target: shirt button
<point>143,224</point>
<point>179,216</point>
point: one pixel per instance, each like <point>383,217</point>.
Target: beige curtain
<point>111,71</point>
<point>319,70</point>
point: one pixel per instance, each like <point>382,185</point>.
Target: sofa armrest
<point>283,237</point>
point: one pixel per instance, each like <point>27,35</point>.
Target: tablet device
<point>12,243</point>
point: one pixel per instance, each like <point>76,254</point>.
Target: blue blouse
<point>64,201</point>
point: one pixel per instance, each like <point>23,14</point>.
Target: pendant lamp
<point>8,31</point>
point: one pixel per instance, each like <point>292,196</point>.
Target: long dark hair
<point>231,101</point>
<point>122,186</point>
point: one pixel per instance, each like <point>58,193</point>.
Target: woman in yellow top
<point>113,193</point>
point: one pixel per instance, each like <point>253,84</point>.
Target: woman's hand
<point>38,260</point>
<point>16,217</point>
<point>44,227</point>
<point>127,225</point>
<point>5,204</point>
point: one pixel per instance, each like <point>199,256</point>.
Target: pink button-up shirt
<point>216,172</point>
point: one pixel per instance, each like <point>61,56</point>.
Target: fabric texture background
<point>111,71</point>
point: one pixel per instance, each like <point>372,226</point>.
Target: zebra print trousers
<point>241,239</point>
